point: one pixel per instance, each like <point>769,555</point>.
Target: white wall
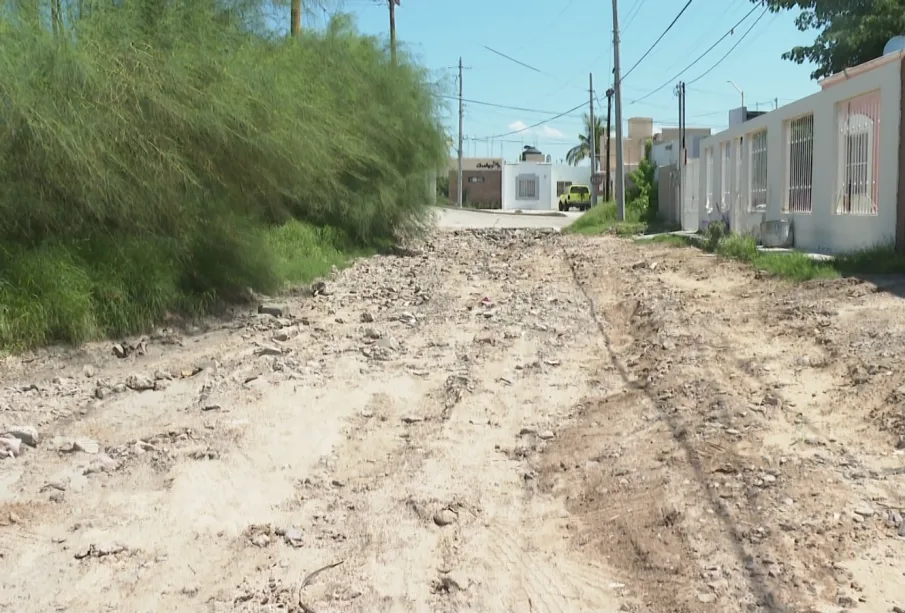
<point>821,229</point>
<point>664,154</point>
<point>541,172</point>
<point>576,175</point>
<point>547,176</point>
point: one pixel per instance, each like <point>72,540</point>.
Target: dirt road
<point>501,420</point>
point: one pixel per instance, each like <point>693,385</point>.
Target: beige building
<point>641,130</point>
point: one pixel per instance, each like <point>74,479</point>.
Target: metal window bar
<point>725,175</point>
<point>527,188</point>
<point>708,180</point>
<point>799,139</point>
<point>757,172</point>
<point>858,150</point>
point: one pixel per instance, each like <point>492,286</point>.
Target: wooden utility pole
<point>393,4</point>
<point>461,122</point>
<point>609,111</point>
<point>683,153</point>
<point>295,16</point>
<point>592,137</point>
<point>617,92</point>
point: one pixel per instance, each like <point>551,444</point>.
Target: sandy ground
<point>500,420</point>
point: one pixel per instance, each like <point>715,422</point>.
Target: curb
<point>501,212</point>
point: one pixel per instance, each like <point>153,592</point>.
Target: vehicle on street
<point>578,196</point>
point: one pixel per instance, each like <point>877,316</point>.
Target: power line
<point>540,123</point>
<point>699,41</point>
<point>700,57</point>
<point>737,43</point>
<point>499,106</point>
<point>512,59</point>
<point>633,12</point>
<point>656,42</point>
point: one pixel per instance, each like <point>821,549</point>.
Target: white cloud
<point>518,126</point>
<point>551,132</point>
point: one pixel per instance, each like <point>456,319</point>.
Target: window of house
<point>562,187</point>
<point>757,172</point>
<point>799,137</point>
<point>858,122</point>
<point>526,187</point>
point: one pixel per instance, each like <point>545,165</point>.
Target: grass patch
<point>603,219</point>
<point>793,266</point>
<point>161,158</point>
<point>75,291</point>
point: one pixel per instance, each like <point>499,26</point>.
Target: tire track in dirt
<point>781,559</point>
<point>503,359</point>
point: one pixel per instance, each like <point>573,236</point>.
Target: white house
<point>536,186</point>
<point>827,165</point>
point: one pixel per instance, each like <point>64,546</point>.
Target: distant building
<point>481,182</point>
<point>531,154</point>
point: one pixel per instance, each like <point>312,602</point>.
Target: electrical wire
<point>499,106</point>
<point>632,13</point>
<point>737,43</point>
<point>512,59</point>
<point>699,58</point>
<point>656,42</point>
<point>714,25</point>
<point>540,123</point>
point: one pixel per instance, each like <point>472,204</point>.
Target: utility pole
<point>683,155</point>
<point>609,109</point>
<point>617,89</point>
<point>393,4</point>
<point>592,137</point>
<point>295,18</point>
<point>461,122</point>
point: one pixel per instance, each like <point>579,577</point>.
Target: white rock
<point>10,446</point>
<point>86,445</point>
<point>26,434</point>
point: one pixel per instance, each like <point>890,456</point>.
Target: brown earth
<point>502,420</point>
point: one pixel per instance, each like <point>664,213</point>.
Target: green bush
<point>152,155</point>
<point>642,197</point>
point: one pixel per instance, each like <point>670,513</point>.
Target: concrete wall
<point>823,229</point>
<point>576,175</point>
<point>546,175</point>
<point>664,154</point>
<point>541,173</point>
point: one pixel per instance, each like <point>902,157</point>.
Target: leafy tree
<point>642,196</point>
<point>851,32</point>
<point>582,151</point>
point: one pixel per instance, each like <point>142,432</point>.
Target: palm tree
<point>582,151</point>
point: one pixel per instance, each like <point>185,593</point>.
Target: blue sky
<point>563,41</point>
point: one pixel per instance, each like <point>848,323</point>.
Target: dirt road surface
<point>501,420</point>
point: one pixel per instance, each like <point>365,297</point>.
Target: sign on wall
<point>472,164</point>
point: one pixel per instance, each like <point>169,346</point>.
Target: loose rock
<point>274,310</point>
<point>445,517</point>
<point>10,447</point>
<point>139,383</point>
<point>27,434</point>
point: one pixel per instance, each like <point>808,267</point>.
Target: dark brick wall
<point>488,191</point>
